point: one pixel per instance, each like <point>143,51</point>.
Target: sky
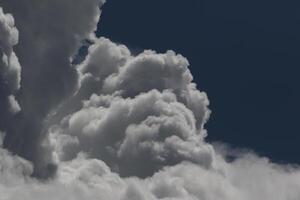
<point>244,54</point>
<point>148,100</point>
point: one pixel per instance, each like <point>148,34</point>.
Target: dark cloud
<point>10,69</point>
<point>50,34</point>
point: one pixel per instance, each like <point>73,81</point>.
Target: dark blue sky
<point>244,54</point>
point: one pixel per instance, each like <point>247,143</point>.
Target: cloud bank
<point>115,126</point>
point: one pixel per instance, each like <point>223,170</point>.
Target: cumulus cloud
<point>136,135</point>
<point>249,177</point>
<point>51,32</point>
<point>158,110</point>
<point>110,68</point>
<point>116,126</point>
<point>10,69</point>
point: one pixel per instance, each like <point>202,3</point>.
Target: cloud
<point>116,126</point>
<point>51,32</point>
<point>111,68</point>
<point>136,135</point>
<point>85,178</point>
<point>167,71</point>
<point>158,110</point>
<point>104,58</point>
<point>10,69</point>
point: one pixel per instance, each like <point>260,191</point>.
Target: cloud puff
<point>110,68</point>
<point>142,109</point>
<point>10,69</point>
<point>104,58</point>
<point>136,135</point>
<point>167,71</point>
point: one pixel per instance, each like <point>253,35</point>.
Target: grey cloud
<point>51,31</point>
<point>137,136</point>
<point>167,71</point>
<point>110,68</point>
<point>117,126</point>
<point>159,112</point>
<point>104,58</point>
<point>249,177</point>
<point>140,124</point>
<point>14,106</point>
<point>10,69</point>
<point>9,34</point>
<point>13,169</point>
<point>150,70</point>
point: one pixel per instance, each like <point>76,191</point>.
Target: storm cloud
<point>114,126</point>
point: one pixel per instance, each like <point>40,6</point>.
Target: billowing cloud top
<point>10,69</point>
<point>115,126</point>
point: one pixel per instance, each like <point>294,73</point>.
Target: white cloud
<point>132,129</point>
<point>247,178</point>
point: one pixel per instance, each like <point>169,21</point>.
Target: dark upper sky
<point>244,54</point>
